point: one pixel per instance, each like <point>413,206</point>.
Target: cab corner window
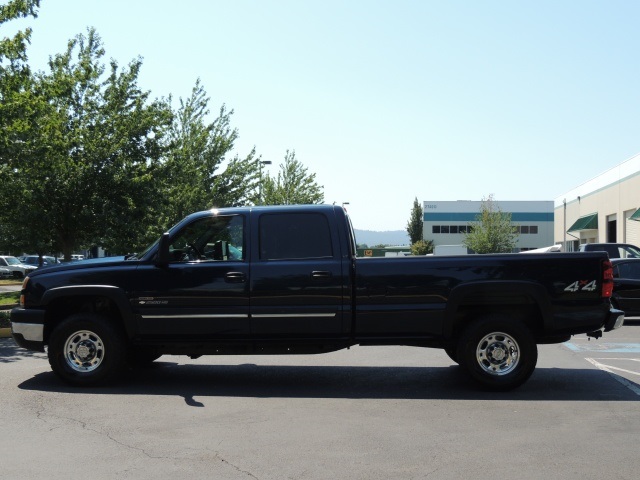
<point>288,236</point>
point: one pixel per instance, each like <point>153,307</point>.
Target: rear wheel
<point>498,352</point>
<point>87,349</point>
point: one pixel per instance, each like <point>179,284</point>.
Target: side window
<point>218,238</point>
<point>294,236</point>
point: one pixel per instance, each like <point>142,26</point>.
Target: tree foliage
<point>422,247</point>
<point>84,170</point>
<point>415,223</point>
<point>294,185</point>
<point>195,173</point>
<point>87,158</point>
<point>493,231</point>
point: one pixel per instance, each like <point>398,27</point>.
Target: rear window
<point>288,236</point>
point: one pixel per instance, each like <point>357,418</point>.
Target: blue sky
<point>388,101</point>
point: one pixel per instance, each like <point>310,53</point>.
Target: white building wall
<point>461,213</point>
<point>615,194</point>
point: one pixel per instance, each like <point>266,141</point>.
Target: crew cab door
<point>297,277</point>
<point>204,289</point>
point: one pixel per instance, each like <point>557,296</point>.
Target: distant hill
<point>392,238</point>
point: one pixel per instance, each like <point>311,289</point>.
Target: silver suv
<point>19,269</point>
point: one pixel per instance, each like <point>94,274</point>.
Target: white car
<point>5,273</point>
<point>18,269</point>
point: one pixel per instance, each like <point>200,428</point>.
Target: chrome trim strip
<point>32,332</point>
<point>293,315</point>
<point>218,315</point>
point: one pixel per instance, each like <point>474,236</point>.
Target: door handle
<point>234,277</point>
<point>320,274</point>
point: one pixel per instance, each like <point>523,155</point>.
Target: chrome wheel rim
<point>498,353</point>
<point>84,351</point>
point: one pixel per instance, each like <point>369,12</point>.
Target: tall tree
<point>294,185</point>
<point>415,223</point>
<point>199,175</point>
<point>493,231</point>
<point>16,86</point>
<point>84,169</point>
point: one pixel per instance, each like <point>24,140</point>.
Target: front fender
<point>113,293</point>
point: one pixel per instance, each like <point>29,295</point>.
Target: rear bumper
<point>614,320</point>
<point>27,328</point>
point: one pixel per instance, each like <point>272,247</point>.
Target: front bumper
<point>614,320</point>
<point>27,328</point>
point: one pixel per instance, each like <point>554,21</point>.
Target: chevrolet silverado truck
<point>286,280</point>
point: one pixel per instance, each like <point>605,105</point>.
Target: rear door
<point>297,277</point>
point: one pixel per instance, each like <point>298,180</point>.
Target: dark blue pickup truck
<point>276,280</point>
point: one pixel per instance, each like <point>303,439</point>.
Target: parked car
<point>18,269</point>
<point>5,273</point>
<point>35,260</point>
<point>626,285</point>
<point>615,250</point>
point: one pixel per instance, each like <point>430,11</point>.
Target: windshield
<point>12,261</point>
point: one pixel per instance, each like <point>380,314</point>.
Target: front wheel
<point>87,349</point>
<point>498,352</point>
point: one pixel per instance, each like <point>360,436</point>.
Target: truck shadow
<point>348,382</point>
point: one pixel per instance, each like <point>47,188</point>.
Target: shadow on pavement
<point>277,381</point>
<point>10,352</point>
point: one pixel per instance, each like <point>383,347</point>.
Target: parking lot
<point>363,413</point>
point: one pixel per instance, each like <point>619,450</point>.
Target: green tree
<point>493,231</point>
<point>195,174</point>
<point>415,223</point>
<point>293,185</point>
<point>84,172</point>
<point>422,247</point>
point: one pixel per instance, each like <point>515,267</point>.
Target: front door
<point>205,289</point>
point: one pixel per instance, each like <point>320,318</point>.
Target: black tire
<point>87,349</point>
<point>499,352</point>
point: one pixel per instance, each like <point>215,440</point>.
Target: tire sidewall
<point>113,340</point>
<point>528,351</point>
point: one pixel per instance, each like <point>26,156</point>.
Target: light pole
<point>262,162</point>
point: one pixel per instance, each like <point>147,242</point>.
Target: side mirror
<point>163,257</point>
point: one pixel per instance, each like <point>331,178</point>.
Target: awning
<point>588,222</point>
<point>635,216</point>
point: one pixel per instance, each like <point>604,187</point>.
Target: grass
<point>9,298</point>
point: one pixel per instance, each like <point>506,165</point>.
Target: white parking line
<point>610,370</point>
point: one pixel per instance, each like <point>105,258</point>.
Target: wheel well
<point>527,312</point>
<point>61,308</point>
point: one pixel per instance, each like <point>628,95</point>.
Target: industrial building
<point>604,209</point>
<point>447,222</point>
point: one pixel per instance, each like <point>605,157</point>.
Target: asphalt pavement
<point>365,413</point>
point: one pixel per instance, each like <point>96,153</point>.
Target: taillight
<point>607,279</point>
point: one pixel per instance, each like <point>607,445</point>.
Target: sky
<point>388,101</point>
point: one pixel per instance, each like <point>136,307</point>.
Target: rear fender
<point>491,295</point>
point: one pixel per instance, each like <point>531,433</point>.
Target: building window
<point>435,229</point>
<point>533,229</point>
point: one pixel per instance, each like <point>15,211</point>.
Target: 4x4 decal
<point>581,285</point>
